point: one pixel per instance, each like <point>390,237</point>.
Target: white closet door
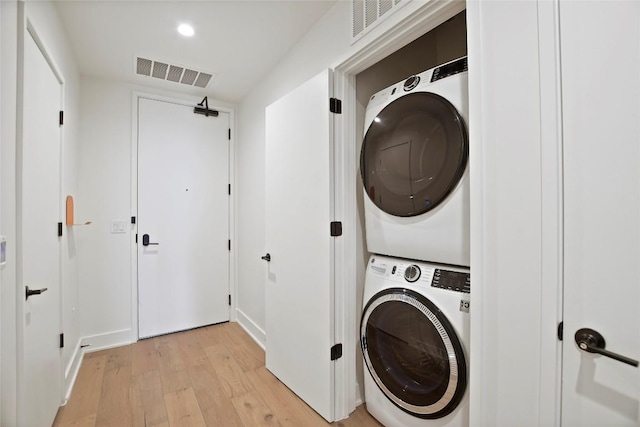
<point>183,215</point>
<point>600,45</point>
<point>299,209</point>
<point>40,212</point>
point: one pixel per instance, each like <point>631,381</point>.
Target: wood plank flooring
<point>213,376</point>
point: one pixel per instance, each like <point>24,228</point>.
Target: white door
<point>299,209</point>
<point>183,214</point>
<point>600,48</point>
<point>40,254</point>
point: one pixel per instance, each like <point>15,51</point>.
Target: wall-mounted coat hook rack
<point>203,108</point>
<point>70,215</point>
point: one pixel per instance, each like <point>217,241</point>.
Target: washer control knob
<point>412,273</point>
<point>411,83</point>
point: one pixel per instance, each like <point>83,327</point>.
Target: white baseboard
<point>251,328</point>
<point>71,371</point>
<point>105,341</point>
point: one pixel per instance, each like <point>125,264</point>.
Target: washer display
<point>414,170</point>
<point>414,337</point>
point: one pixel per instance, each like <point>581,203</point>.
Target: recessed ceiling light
<point>186,30</point>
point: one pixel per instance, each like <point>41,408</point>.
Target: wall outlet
<point>118,227</point>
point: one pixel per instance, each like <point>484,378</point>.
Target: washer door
<point>413,353</point>
<point>414,154</point>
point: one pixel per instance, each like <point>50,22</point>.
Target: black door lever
<point>146,242</point>
<point>593,342</point>
<point>28,292</point>
<point>267,257</point>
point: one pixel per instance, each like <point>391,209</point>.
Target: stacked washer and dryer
<point>414,330</point>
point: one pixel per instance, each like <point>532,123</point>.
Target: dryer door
<point>414,154</point>
<point>413,353</point>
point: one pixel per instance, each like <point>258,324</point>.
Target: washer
<point>414,168</point>
<point>414,335</point>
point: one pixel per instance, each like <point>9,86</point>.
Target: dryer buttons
<point>411,83</point>
<point>412,273</point>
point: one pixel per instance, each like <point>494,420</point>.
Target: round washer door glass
<point>414,154</point>
<point>413,353</point>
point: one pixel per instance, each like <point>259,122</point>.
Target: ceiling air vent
<point>172,73</point>
<point>144,67</point>
<point>366,14</point>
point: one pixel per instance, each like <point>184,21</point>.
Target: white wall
<point>44,20</point>
<point>105,194</point>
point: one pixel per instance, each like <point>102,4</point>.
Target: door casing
<point>415,19</point>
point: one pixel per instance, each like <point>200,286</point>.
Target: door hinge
<point>59,229</point>
<point>335,105</point>
<point>229,299</point>
<point>560,330</point>
<point>61,340</point>
<point>229,134</point>
<point>336,352</point>
<point>61,118</point>
<point>229,189</point>
<point>336,228</point>
<point>229,244</point>
<point>133,220</point>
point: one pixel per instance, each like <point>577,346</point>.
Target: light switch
<point>118,227</point>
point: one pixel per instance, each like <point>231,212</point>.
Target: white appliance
<point>414,336</point>
<point>414,167</point>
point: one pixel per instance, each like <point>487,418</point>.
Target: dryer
<point>414,167</point>
<point>414,335</point>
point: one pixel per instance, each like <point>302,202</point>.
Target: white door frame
<point>190,102</point>
<point>546,311</point>
<point>27,29</point>
<point>417,22</point>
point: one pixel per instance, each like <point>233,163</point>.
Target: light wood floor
<point>213,376</point>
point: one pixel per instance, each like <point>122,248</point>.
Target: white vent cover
<point>172,73</point>
<point>366,14</point>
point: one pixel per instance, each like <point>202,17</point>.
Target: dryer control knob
<point>411,83</point>
<point>412,273</point>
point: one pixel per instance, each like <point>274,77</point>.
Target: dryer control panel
<point>449,69</point>
<point>451,280</point>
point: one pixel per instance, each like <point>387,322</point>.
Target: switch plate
<point>118,227</point>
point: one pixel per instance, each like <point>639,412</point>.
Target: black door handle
<point>146,242</point>
<point>593,342</point>
<point>267,257</point>
<point>28,292</point>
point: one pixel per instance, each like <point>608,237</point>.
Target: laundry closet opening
<point>443,44</point>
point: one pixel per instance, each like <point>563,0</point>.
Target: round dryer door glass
<point>413,353</point>
<point>414,154</point>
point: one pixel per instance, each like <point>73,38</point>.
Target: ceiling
<point>238,41</point>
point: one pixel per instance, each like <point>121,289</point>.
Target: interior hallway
<point>212,376</point>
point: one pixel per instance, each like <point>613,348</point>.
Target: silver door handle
<point>28,292</point>
<point>593,342</point>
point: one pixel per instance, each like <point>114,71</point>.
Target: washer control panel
<point>452,280</point>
